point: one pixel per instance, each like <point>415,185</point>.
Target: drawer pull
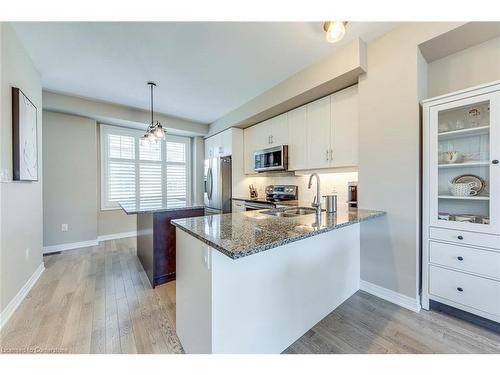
<point>495,161</point>
<point>460,237</point>
<point>460,258</point>
<point>460,289</point>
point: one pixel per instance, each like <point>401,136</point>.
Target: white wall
<point>72,195</point>
<point>470,67</point>
<point>21,229</point>
<point>70,178</point>
<point>389,156</point>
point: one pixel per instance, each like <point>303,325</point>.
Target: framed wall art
<point>24,137</point>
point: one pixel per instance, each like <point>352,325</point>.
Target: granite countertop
<point>246,233</point>
<point>141,207</point>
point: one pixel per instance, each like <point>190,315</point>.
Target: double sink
<point>290,212</point>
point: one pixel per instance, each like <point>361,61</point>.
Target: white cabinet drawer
<point>473,291</point>
<point>463,237</point>
<point>464,258</point>
<point>238,206</point>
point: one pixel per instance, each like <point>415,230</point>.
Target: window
<point>153,174</point>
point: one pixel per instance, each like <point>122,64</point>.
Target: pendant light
<point>155,131</point>
<point>335,30</point>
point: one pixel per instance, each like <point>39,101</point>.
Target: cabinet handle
<point>460,258</point>
<point>326,154</point>
<point>460,289</point>
<point>331,154</point>
<point>460,237</point>
<point>495,161</point>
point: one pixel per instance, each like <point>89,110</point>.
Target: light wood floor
<point>98,300</point>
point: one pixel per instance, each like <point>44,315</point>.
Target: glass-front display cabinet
<point>461,167</point>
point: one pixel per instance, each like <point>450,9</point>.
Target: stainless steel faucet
<point>317,199</point>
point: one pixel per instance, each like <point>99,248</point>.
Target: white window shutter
<point>147,174</point>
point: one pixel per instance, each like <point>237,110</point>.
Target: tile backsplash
<point>329,182</point>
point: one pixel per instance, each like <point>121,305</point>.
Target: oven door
<point>271,159</point>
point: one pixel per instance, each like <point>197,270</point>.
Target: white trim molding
<point>116,236</point>
<point>69,246</point>
<point>6,314</point>
<point>409,303</point>
<point>79,245</point>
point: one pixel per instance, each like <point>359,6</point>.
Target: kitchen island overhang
<point>279,285</point>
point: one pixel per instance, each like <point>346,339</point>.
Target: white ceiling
<point>203,69</point>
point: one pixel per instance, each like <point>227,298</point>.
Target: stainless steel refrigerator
<point>218,185</point>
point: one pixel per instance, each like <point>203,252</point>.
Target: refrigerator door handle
<point>211,183</point>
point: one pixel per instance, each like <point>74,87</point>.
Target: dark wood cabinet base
<point>156,243</point>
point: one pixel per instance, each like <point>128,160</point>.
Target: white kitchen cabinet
<point>297,139</point>
<point>253,140</point>
<point>264,135</point>
<point>461,235</point>
<point>269,133</point>
<point>209,147</point>
<point>227,142</point>
<point>318,133</point>
<point>238,206</point>
<point>344,128</point>
<point>219,144</point>
<point>321,134</point>
<point>279,130</point>
<point>332,130</point>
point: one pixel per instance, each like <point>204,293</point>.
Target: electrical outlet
<point>27,253</point>
<point>64,227</point>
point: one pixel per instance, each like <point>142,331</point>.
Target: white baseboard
<point>409,303</point>
<point>78,245</point>
<point>116,236</point>
<point>6,314</point>
<point>69,246</point>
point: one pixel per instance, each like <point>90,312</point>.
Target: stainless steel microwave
<point>271,159</point>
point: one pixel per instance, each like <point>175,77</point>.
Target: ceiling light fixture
<point>155,131</point>
<point>335,30</point>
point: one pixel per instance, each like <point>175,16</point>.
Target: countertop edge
<point>274,244</point>
<point>195,207</point>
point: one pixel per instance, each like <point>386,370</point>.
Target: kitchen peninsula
<point>156,235</point>
<point>254,282</point>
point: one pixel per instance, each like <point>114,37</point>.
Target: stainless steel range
<point>275,194</point>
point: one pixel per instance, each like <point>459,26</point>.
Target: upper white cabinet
<point>297,139</point>
<point>332,130</point>
<point>321,134</point>
<point>344,128</point>
<point>255,138</point>
<point>219,144</point>
<point>279,130</point>
<point>318,133</point>
<point>269,133</point>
